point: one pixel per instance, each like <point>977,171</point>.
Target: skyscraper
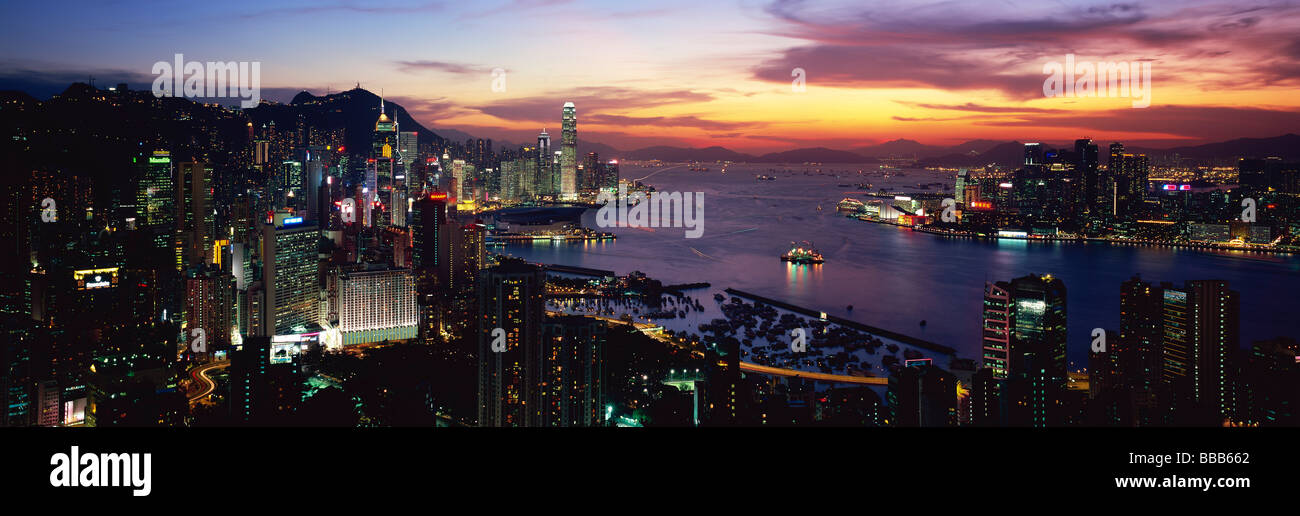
<point>997,328</point>
<point>289,275</point>
<point>1087,168</point>
<point>573,372</point>
<point>512,296</point>
<point>1038,344</point>
<point>209,305</point>
<point>569,153</point>
<point>923,396</point>
<point>429,258</point>
<point>194,214</point>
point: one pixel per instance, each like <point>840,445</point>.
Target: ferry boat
<point>803,253</point>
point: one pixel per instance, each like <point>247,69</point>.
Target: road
<point>200,375</point>
<point>841,378</point>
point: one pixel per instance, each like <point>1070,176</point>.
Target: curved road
<point>200,375</point>
<point>842,378</point>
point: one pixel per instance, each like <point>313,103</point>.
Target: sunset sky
<point>707,72</point>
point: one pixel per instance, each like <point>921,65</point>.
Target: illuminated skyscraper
<point>573,372</point>
<point>1038,343</point>
<point>209,305</point>
<point>997,328</point>
<point>1201,332</point>
<point>429,258</point>
<point>569,152</point>
<point>289,275</point>
<point>155,201</point>
<point>194,213</point>
<point>513,299</point>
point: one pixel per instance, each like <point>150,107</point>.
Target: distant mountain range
<point>356,111</point>
<point>973,153</point>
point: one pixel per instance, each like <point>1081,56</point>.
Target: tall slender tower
<point>544,180</point>
<point>569,153</point>
<point>379,170</point>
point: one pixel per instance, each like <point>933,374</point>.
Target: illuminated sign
<point>1176,296</point>
<point>1004,185</point>
<point>1171,188</point>
<point>981,205</point>
<point>293,220</point>
<point>283,352</point>
<point>89,279</point>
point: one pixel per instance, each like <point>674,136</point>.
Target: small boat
<point>803,254</point>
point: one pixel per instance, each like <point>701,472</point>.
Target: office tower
<point>155,201</point>
<point>1034,154</point>
<point>960,187</point>
<point>611,176</point>
<point>1141,332</point>
<point>289,275</point>
<point>467,254</point>
<point>1129,174</point>
<point>209,305</point>
<point>591,172</point>
<point>376,303</point>
<point>194,213</point>
<point>997,328</point>
<point>383,156</point>
<point>430,247</point>
<point>459,174</point>
<point>286,187</point>
<point>1037,355</point>
<point>408,154</point>
<point>569,152</point>
<point>308,199</point>
<point>923,396</point>
<point>155,194</point>
<point>543,181</point>
<point>556,174</point>
<point>573,372</point>
<point>1088,169</point>
<point>512,298</point>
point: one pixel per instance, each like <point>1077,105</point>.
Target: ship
<point>802,254</point>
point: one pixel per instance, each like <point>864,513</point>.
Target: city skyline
<point>932,72</point>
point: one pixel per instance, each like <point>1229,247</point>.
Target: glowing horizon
<point>693,74</point>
